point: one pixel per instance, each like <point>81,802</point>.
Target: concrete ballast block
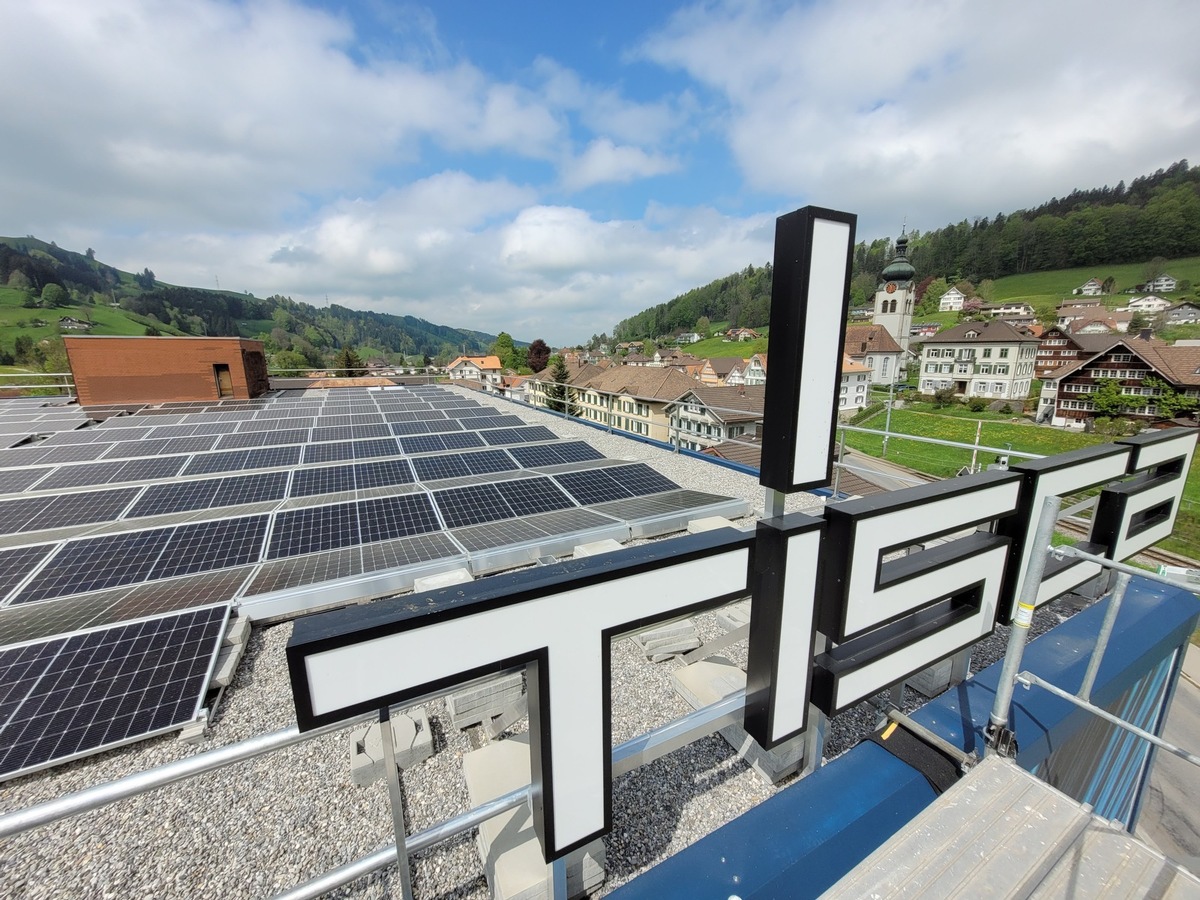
<point>411,737</point>
<point>482,702</point>
<point>704,683</point>
<point>708,523</point>
<point>441,580</point>
<point>508,846</point>
<point>595,548</point>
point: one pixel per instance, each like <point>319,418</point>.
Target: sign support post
<point>396,796</point>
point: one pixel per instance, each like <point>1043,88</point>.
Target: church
<point>895,296</point>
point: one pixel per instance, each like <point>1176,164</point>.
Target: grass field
<point>716,347</point>
<point>16,319</point>
<point>945,462</point>
<point>1059,283</point>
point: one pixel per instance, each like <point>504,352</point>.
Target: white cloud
<point>604,163</point>
<point>945,107</point>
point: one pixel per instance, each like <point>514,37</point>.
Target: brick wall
<point>114,370</point>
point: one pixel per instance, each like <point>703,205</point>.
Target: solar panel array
<point>191,507</point>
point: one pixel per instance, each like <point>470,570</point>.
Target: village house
<point>1129,361</point>
<point>708,415</point>
<point>756,370</point>
<point>486,370</point>
<point>992,360</point>
<point>872,346</point>
<point>715,371</point>
<point>1093,287</point>
<point>1185,312</point>
<point>952,300</point>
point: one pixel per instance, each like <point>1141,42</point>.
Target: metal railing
<point>1000,739</point>
<point>626,757</point>
<point>61,383</point>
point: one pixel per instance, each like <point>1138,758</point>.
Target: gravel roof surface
<point>261,827</point>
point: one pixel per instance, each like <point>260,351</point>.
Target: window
<point>987,352</point>
<point>1004,353</point>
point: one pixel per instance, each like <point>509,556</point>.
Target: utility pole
<point>887,422</point>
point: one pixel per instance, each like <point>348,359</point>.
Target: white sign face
<point>1141,512</point>
<point>565,630</point>
<point>1057,476</point>
<point>810,298</point>
<point>822,358</point>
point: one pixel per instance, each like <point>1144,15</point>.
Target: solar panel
<point>312,529</point>
<point>641,479</point>
<point>527,496</point>
<point>328,480</point>
<point>15,564</point>
<point>13,481</point>
<point>208,463</point>
<point>360,432</point>
<point>462,440</point>
<point>375,447</point>
<point>79,453</point>
<point>432,468</point>
<point>260,488</point>
<point>36,621</point>
<point>312,569</point>
<point>488,462</point>
<point>382,473</point>
<point>148,469</point>
<point>592,486</point>
<point>440,426</point>
<point>334,421</point>
<point>425,443</point>
<point>518,435</point>
<point>392,517</point>
<point>577,451</point>
<point>181,497</point>
<point>15,514</point>
<point>94,563</point>
<point>80,475</point>
<point>82,509</point>
<point>532,457</point>
<point>331,452</point>
<point>195,444</point>
<point>272,457</point>
<point>335,433</point>
<point>68,697</point>
<point>494,422</point>
<point>407,551</point>
<point>205,546</point>
<point>471,505</point>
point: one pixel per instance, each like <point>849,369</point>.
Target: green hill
<point>118,302</point>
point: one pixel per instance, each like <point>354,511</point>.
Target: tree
<point>151,331</point>
<point>1108,399</point>
<point>1154,268</point>
<point>90,254</point>
<point>1110,285</point>
<point>346,362</point>
<point>289,359</point>
<point>145,279</point>
<point>538,355</point>
<point>1138,322</point>
<point>54,295</point>
<point>559,393</point>
<point>702,326</point>
<point>19,280</point>
<point>1170,403</point>
<point>23,349</point>
<point>502,347</point>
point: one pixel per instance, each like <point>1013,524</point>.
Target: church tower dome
<point>899,269</point>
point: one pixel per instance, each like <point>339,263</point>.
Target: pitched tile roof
<point>995,331</point>
<point>868,339</point>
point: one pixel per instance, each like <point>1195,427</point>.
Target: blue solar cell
<point>312,529</point>
<point>471,505</point>
<point>205,546</point>
<point>331,452</point>
<point>181,497</point>
<point>95,563</point>
<point>528,496</point>
<point>392,517</point>
<point>382,473</point>
<point>375,447</point>
<point>487,461</point>
<point>260,488</point>
<point>66,697</point>
<point>432,468</point>
<point>462,441</point>
<point>327,480</point>
<point>424,443</point>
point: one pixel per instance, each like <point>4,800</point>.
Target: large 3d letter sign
<point>838,611</point>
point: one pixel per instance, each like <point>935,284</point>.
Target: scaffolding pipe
<point>1106,629</point>
<point>1076,553</point>
<point>1027,679</point>
<point>1019,635</point>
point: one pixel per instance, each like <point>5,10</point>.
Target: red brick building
<point>122,370</point>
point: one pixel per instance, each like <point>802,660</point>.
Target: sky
<point>547,169</point>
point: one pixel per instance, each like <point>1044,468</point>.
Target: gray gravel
<point>263,826</point>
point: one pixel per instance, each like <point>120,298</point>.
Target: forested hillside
<point>41,276</point>
<point>1154,216</point>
